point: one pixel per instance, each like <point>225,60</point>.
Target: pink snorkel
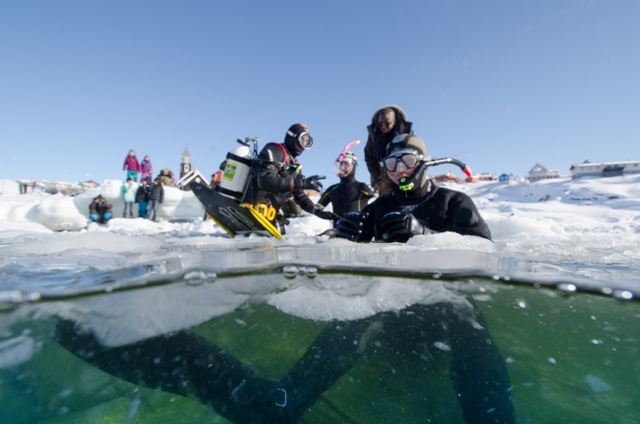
<point>353,143</point>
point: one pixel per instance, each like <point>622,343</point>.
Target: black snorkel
<point>408,184</point>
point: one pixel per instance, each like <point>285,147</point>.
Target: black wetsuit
<point>438,209</point>
<point>347,196</point>
<point>275,179</point>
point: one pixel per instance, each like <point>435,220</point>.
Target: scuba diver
<point>277,176</point>
<point>187,363</point>
<point>349,195</point>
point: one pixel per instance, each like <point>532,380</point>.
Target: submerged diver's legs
<point>332,354</point>
<point>478,372</point>
<point>186,362</point>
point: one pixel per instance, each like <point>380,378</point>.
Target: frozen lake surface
<point>557,287</point>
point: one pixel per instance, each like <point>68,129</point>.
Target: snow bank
<point>58,212</point>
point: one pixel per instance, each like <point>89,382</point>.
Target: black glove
<point>319,211</point>
<point>400,227</point>
<point>312,182</point>
<point>350,226</point>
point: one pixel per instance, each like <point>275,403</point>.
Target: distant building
<point>185,166</point>
<point>604,169</point>
<point>511,179</point>
<point>485,176</point>
<point>449,177</point>
<point>192,176</point>
<point>539,172</point>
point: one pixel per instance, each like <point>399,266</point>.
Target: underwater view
<point>313,330</point>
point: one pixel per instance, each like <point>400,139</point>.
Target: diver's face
<point>401,171</point>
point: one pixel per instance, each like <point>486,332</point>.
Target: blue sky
<point>498,84</point>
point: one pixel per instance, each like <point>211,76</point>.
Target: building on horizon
<point>539,172</point>
<point>604,169</point>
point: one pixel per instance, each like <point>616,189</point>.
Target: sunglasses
<point>410,160</point>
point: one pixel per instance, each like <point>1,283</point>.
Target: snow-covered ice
<point>583,231</point>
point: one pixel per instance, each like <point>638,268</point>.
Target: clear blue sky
<point>498,84</point>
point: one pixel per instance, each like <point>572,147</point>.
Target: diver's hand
<point>350,226</point>
<point>319,211</point>
<point>312,182</point>
<point>400,227</point>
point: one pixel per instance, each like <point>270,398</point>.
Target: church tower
<point>185,166</point>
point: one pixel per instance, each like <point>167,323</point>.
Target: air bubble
<point>596,342</point>
<point>195,278</point>
<point>552,361</point>
<point>623,294</point>
<point>311,272</point>
<point>569,288</point>
<point>290,271</point>
<point>522,304</point>
<point>607,290</point>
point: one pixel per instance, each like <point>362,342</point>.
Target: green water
<point>551,344</point>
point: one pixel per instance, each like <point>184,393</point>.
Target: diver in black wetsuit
<point>349,195</point>
<point>415,205</point>
<point>186,362</point>
<point>277,177</point>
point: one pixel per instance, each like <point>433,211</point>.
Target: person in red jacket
<point>132,166</point>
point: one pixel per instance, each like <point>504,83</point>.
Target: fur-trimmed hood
<point>399,113</point>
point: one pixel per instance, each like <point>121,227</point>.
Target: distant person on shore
<point>156,196</point>
<point>146,170</point>
<point>387,122</point>
<point>100,210</point>
<point>165,176</point>
<point>129,197</point>
<point>131,165</point>
<point>142,198</point>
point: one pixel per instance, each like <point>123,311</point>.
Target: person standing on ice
<point>146,170</point>
<point>131,165</point>
<point>387,122</point>
<point>129,197</point>
<point>278,176</point>
<point>142,198</point>
<point>349,195</point>
<point>100,210</point>
<point>156,196</point>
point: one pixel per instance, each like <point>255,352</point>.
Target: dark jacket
<point>100,208</point>
<point>377,142</point>
<point>349,195</point>
<point>156,192</point>
<point>165,179</point>
<point>275,179</point>
<point>142,195</point>
<point>438,209</point>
